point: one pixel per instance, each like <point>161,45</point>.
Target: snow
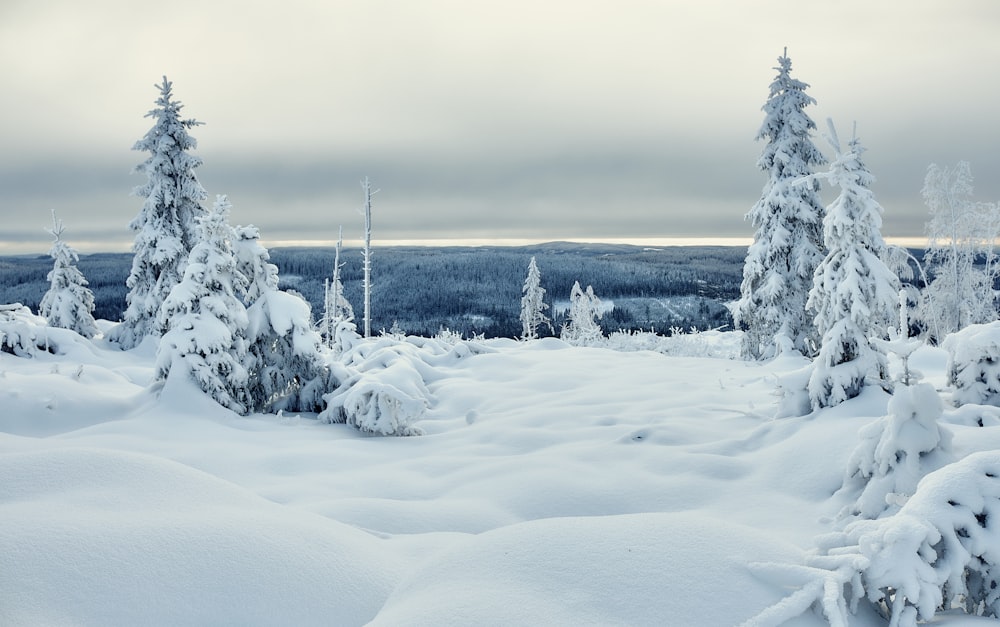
<point>552,485</point>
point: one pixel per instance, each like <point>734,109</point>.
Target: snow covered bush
<point>854,293</point>
<point>206,321</point>
<point>974,364</point>
<point>581,328</point>
<point>533,304</point>
<point>165,227</point>
<point>381,390</point>
<point>896,452</point>
<point>22,333</point>
<point>69,303</point>
<point>680,343</point>
<point>788,238</point>
<point>383,381</point>
<point>940,551</point>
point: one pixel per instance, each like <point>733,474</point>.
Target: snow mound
<point>644,569</point>
<point>94,537</point>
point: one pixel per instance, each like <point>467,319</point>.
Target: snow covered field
<point>554,485</point>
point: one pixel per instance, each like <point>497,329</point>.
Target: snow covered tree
<point>854,293</point>
<point>69,303</point>
<point>205,318</point>
<point>336,307</point>
<point>896,452</point>
<point>581,327</point>
<point>284,363</point>
<point>787,246</point>
<point>961,234</point>
<point>533,304</point>
<point>166,225</point>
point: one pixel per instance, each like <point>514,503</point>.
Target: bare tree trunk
<point>366,185</point>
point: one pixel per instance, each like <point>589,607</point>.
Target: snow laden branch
<point>940,551</point>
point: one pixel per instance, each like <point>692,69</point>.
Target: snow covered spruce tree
<point>69,303</point>
<point>896,452</point>
<point>165,226</point>
<point>533,304</point>
<point>960,234</point>
<point>285,367</point>
<point>787,246</point>
<point>581,327</point>
<point>854,293</point>
<point>205,319</point>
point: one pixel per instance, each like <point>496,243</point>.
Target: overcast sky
<point>526,119</point>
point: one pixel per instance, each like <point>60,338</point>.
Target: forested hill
<point>465,289</point>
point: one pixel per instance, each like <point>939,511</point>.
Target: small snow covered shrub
<point>383,381</point>
<point>581,328</point>
<point>896,451</point>
<point>974,364</point>
<point>21,332</point>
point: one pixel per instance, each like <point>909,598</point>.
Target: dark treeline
<point>468,290</point>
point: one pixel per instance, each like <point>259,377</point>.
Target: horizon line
<point>92,247</point>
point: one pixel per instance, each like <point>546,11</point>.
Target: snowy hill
<point>554,485</point>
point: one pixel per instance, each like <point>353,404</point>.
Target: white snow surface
<point>553,485</point>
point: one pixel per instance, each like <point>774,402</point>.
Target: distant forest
<point>471,290</point>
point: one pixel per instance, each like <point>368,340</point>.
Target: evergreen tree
<point>69,303</point>
<point>165,227</point>
<point>854,293</point>
<point>961,234</point>
<point>205,319</point>
<point>533,304</point>
<point>787,246</point>
<point>284,363</point>
<point>581,327</point>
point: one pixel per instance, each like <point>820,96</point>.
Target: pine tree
<point>284,363</point>
<point>69,303</point>
<point>533,304</point>
<point>787,246</point>
<point>961,234</point>
<point>205,319</point>
<point>581,328</point>
<point>854,293</point>
<point>165,227</point>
